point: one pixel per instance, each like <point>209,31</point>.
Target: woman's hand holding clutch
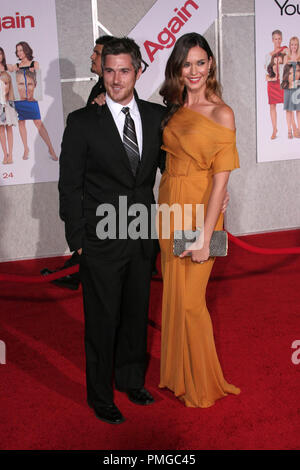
<point>198,255</point>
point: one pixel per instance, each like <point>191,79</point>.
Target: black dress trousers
<point>116,299</point>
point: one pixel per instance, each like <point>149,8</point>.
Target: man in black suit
<point>72,281</point>
<point>110,152</point>
<point>96,67</point>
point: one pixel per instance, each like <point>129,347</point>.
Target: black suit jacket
<point>97,89</point>
<point>94,169</point>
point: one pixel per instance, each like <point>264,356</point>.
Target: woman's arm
<point>12,68</point>
<point>267,60</point>
<point>215,202</point>
<point>199,250</point>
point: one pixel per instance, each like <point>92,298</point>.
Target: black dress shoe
<point>71,281</point>
<point>140,396</point>
<point>107,413</point>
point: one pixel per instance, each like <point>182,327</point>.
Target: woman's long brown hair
<point>173,90</point>
<point>26,49</point>
<point>285,84</point>
<point>3,58</point>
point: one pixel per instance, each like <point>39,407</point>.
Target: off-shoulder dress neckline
<point>208,119</point>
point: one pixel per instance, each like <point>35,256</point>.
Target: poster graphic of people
<point>31,113</point>
<point>277,80</point>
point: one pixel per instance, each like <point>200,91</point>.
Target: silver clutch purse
<point>184,238</point>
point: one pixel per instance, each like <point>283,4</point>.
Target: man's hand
<point>79,251</point>
<point>100,99</point>
<point>225,202</point>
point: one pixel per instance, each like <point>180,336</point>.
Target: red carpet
<point>254,302</point>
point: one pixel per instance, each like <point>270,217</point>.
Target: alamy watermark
<point>141,221</point>
<point>2,352</point>
<point>296,354</point>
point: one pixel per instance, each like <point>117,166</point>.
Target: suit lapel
<point>146,126</point>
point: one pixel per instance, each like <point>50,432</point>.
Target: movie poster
<point>278,79</point>
<point>31,113</point>
<point>158,31</point>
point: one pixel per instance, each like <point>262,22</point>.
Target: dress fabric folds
<point>197,148</point>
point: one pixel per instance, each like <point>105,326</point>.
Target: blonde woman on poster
<point>293,54</point>
<point>28,109</point>
<point>8,116</point>
<point>289,85</point>
<point>275,93</point>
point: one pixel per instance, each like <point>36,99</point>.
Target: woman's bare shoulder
<point>224,115</point>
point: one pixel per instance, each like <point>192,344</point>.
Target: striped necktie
<point>130,141</point>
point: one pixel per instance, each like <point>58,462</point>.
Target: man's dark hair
<point>102,40</point>
<point>123,46</point>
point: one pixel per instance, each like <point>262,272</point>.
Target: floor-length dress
<point>197,148</point>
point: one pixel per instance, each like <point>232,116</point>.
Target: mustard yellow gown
<point>197,148</point>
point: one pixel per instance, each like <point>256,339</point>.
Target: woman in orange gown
<point>199,138</point>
